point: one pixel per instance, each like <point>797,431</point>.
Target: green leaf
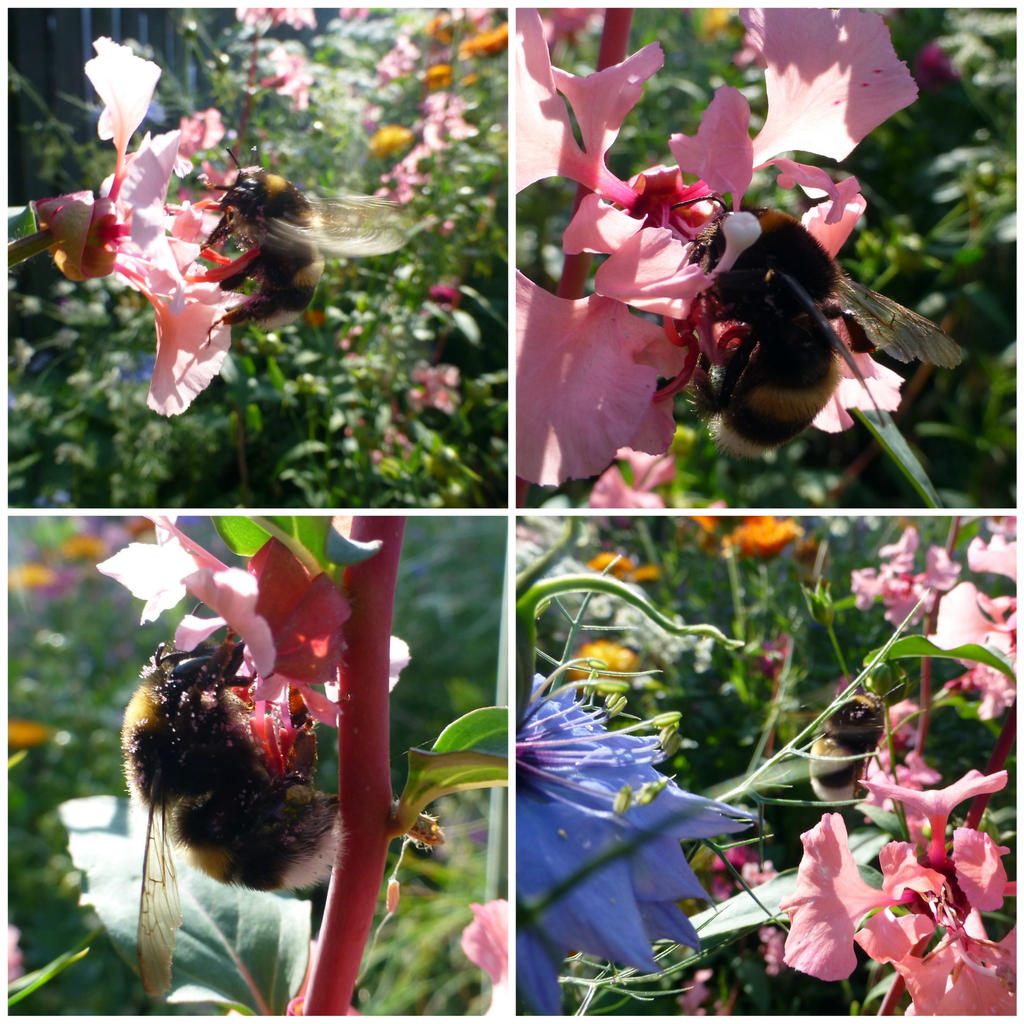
<point>23,987</point>
<point>484,730</point>
<point>882,426</point>
<point>471,753</point>
<point>241,534</point>
<point>342,551</point>
<point>921,647</point>
<point>235,947</point>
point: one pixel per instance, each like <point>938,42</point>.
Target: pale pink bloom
<point>292,76</point>
<point>897,585</point>
<point>485,942</point>
<point>829,901</point>
<point>266,18</point>
<point>400,60</point>
<point>437,387</point>
<point>695,993</point>
<point>996,555</point>
<point>649,471</point>
<point>201,131</point>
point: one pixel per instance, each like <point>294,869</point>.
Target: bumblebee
<point>852,732</point>
<point>783,299</point>
<point>243,813</point>
<point>284,235</point>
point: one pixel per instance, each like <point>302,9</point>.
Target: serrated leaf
<point>236,947</point>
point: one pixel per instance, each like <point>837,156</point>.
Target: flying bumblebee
<point>236,810</point>
<point>852,732</point>
<point>284,235</point>
<point>782,301</point>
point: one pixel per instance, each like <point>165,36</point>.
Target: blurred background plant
<point>939,236</point>
<point>75,650</point>
<point>392,389</point>
<point>749,577</point>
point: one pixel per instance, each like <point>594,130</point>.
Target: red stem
<point>364,784</point>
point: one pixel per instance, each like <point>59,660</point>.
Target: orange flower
<point>22,733</point>
<point>439,76</point>
<point>645,574</point>
<point>27,577</point>
<point>82,546</point>
<point>389,140</point>
<point>615,656</point>
<point>440,28</point>
<point>485,43</point>
<point>621,569</point>
<point>763,536</point>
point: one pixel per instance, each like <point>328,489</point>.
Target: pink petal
<point>890,939</point>
<point>829,899</point>
<point>998,555</point>
<point>979,869</point>
<point>651,271</point>
<point>581,388</point>
<point>721,153</point>
<point>597,226</point>
<point>831,77</point>
<point>186,359</point>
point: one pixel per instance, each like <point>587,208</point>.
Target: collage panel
<point>208,719</point>
<point>259,259</point>
<point>765,765</point>
<point>766,258</point>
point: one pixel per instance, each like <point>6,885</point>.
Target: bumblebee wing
<point>159,906</point>
<point>896,329</point>
<point>350,225</point>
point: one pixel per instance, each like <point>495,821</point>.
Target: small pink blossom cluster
<point>940,889</point>
<point>436,387</point>
<point>965,614</point>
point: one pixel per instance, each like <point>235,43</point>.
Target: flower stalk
<point>364,770</point>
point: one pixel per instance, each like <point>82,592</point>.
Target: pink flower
<point>131,231</point>
<point>568,351</point>
<point>896,583</point>
<point>938,892</point>
<point>649,471</point>
<point>437,388</point>
<point>289,619</point>
<point>829,900</point>
<point>292,76</point>
<point>646,225</point>
<point>485,942</point>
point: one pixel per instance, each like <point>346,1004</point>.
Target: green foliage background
<point>939,236</point>
<point>75,652</point>
<point>316,414</point>
<point>730,699</point>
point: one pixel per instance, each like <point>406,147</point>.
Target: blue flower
<point>569,770</point>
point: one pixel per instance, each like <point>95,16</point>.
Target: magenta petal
<point>581,388</point>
